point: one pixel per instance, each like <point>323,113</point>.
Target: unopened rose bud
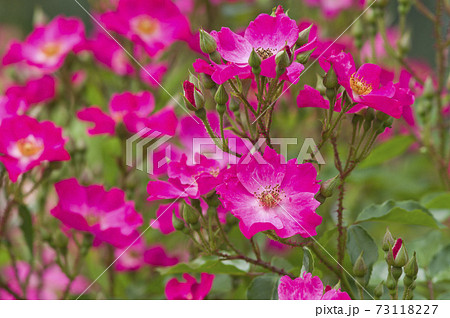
<point>213,201</point>
<point>397,256</point>
<point>221,96</point>
<point>401,258</point>
<point>412,268</point>
<point>254,60</point>
<point>360,267</point>
<point>303,36</point>
<point>388,241</point>
<point>190,215</point>
<point>330,80</point>
<point>177,223</point>
<point>193,97</point>
<point>327,188</point>
<point>304,57</point>
<point>282,60</point>
<point>378,291</point>
<point>207,43</point>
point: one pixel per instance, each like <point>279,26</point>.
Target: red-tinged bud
<point>397,256</point>
<point>193,97</point>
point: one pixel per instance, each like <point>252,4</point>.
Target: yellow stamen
<point>264,53</point>
<point>359,86</point>
<point>91,219</point>
<point>146,26</point>
<point>28,147</point>
<point>51,49</point>
<point>270,196</point>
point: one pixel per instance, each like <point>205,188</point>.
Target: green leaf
<point>392,148</point>
<point>427,246</point>
<point>404,212</point>
<point>440,265</point>
<point>27,226</point>
<point>358,240</point>
<point>308,261</point>
<point>438,201</point>
<point>208,264</point>
<point>264,287</point>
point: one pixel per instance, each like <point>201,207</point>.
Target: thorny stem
<point>216,139</point>
<point>255,248</point>
<point>340,211</point>
<point>240,255</point>
<point>441,65</point>
<point>284,241</point>
<point>222,134</point>
<point>261,263</point>
<point>241,97</point>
